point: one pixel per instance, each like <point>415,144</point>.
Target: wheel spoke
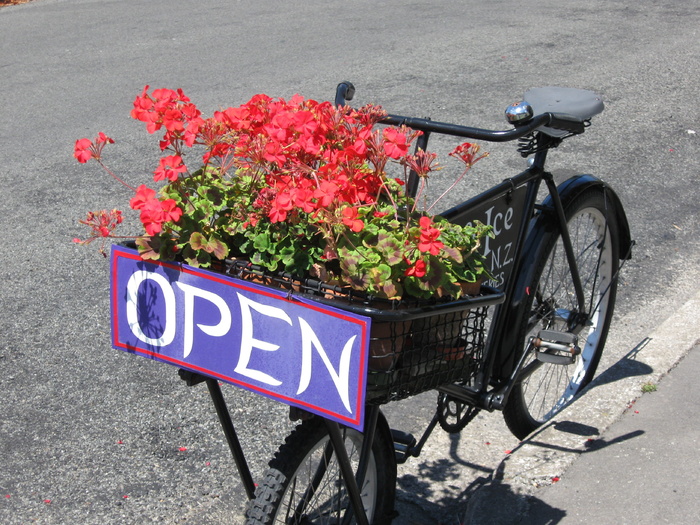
<point>545,388</point>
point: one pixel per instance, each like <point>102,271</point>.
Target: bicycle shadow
<point>627,366</point>
<point>488,499</point>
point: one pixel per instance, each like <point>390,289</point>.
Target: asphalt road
<point>91,435</point>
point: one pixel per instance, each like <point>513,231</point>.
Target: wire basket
<point>415,345</point>
<point>410,357</point>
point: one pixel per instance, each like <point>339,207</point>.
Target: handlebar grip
<point>344,93</point>
<point>566,122</point>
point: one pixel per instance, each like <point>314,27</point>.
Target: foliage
<point>298,186</point>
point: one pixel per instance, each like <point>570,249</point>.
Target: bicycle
<point>553,295</point>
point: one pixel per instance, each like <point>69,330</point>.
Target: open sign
<point>285,347</point>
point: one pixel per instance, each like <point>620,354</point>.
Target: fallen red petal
<point>555,479</point>
<point>183,449</point>
<point>508,451</point>
<point>47,501</point>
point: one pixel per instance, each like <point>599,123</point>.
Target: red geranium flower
<point>82,150</point>
<point>169,168</point>
<point>419,269</point>
<point>143,195</point>
<point>351,220</point>
<point>468,153</point>
<point>429,237</point>
<point>395,143</point>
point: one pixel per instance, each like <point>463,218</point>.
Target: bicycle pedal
<point>403,444</point>
<point>559,348</point>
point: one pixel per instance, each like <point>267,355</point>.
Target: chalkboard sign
<point>503,213</point>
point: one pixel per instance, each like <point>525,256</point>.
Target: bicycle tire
<point>278,499</point>
<point>544,389</point>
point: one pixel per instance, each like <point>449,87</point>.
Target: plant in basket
<point>297,186</point>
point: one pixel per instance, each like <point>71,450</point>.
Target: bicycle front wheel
<point>543,389</point>
<point>304,485</point>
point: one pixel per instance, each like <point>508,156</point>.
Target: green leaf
<point>390,248</point>
<point>197,241</point>
<point>380,273</point>
<point>453,253</point>
<point>149,248</point>
<point>217,248</point>
<point>392,290</point>
<point>261,242</point>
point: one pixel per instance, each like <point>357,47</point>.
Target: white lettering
<point>508,221</point>
<point>340,378</point>
<point>500,222</point>
<point>248,342</point>
<point>487,240</point>
<point>217,330</point>
<point>132,316</point>
<point>508,260</point>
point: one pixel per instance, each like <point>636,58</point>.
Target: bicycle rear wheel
<point>304,486</point>
<point>543,389</point>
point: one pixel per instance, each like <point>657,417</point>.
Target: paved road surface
<point>91,435</point>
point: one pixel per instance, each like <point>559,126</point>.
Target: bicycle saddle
<point>579,103</point>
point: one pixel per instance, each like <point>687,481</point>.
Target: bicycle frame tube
<point>566,241</point>
<point>501,335</point>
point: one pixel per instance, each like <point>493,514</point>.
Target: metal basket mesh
<point>410,357</point>
<point>407,357</point>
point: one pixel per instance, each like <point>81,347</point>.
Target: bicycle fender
<point>541,226</point>
<point>571,188</point>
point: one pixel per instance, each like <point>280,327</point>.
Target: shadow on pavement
<point>493,501</point>
<point>627,366</point>
<point>488,499</point>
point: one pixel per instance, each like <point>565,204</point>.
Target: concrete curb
<point>549,451</point>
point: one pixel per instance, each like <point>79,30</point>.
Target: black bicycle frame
<point>502,340</point>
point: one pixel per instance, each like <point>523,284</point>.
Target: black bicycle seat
<point>579,103</point>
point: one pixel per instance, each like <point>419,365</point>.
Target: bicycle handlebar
<point>346,91</point>
<point>552,120</point>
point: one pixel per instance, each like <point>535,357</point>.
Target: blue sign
<point>282,346</point>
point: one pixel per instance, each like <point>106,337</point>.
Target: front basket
<point>415,345</point>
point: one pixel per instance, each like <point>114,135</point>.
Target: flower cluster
<point>102,223</point>
<point>295,185</point>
